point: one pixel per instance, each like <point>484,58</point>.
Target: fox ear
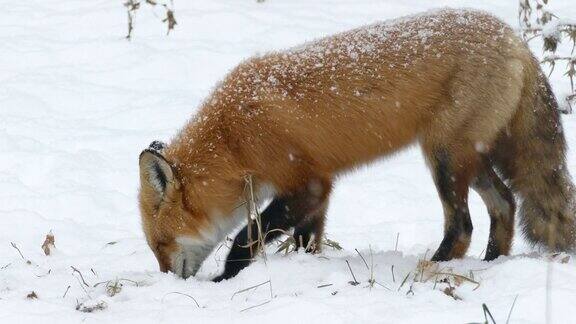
<point>155,171</point>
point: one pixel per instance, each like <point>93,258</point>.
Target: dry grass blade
<point>362,257</point>
<point>181,294</point>
<point>251,307</point>
<point>353,282</point>
<point>250,288</point>
<point>66,292</point>
<point>20,252</point>
<point>74,270</point>
<point>511,309</point>
<point>487,312</point>
<point>404,281</point>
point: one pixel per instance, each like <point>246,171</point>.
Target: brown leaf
<point>48,244</point>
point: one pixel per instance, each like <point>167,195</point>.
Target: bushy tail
<point>531,153</point>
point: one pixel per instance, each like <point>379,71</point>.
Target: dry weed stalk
<point>132,7</point>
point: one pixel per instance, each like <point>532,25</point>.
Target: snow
<point>78,103</point>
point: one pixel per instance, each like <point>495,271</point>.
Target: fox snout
<point>187,260</point>
<point>184,266</point>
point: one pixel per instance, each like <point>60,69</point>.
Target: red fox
<point>458,82</point>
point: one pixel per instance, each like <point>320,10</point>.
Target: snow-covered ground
<point>77,105</point>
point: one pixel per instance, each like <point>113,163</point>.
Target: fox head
<point>170,226</point>
<point>183,220</point>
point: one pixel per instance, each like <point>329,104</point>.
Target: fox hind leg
<point>452,178</point>
<point>501,206</point>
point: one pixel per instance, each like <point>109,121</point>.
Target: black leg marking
<point>457,222</point>
<point>282,214</point>
<point>275,217</point>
